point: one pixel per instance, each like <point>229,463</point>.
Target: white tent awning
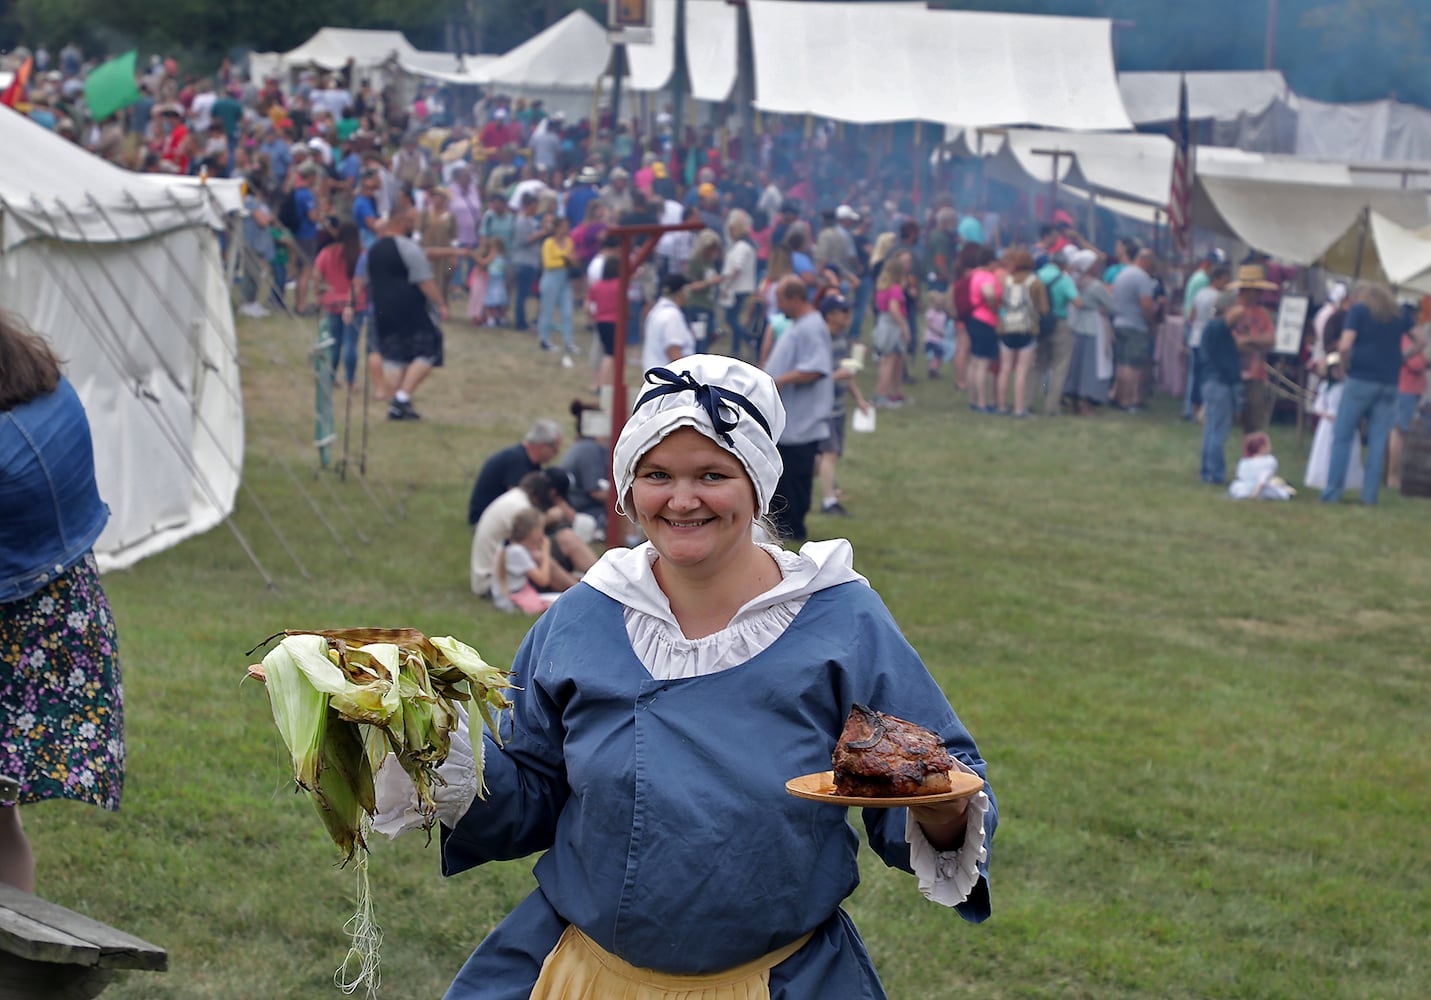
<point>1297,223</point>
<point>447,67</point>
<point>48,190</point>
<point>331,48</point>
<point>954,67</point>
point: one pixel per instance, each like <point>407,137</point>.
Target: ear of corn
<point>342,698</point>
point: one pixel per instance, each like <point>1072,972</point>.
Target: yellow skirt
<point>580,969</point>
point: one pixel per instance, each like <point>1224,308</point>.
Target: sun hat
<point>734,404</point>
<point>1252,276</point>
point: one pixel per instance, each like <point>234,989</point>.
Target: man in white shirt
<point>667,336</point>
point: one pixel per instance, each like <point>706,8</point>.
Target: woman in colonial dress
<point>663,704</point>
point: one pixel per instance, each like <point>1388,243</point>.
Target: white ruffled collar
<point>626,575</point>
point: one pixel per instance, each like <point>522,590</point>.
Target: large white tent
<point>561,65</point>
<point>124,275</point>
<point>954,67</point>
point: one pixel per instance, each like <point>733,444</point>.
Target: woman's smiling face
<point>694,500</point>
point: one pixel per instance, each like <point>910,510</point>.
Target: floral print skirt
<point>61,700</point>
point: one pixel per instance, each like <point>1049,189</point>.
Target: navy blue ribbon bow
<point>717,402</point>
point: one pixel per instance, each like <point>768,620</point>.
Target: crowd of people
<point>386,209</point>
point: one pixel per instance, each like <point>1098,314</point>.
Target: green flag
<point>111,87</point>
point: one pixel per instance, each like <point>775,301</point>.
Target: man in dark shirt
<point>404,297</point>
<point>1221,368</point>
<point>504,469</point>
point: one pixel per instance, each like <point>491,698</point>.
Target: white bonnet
<point>686,393</point>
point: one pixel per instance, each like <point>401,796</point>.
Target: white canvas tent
<point>1296,223</point>
<point>952,67</point>
<point>123,274</point>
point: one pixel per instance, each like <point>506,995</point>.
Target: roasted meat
<point>881,756</point>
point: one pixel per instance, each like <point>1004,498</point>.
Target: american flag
<point>1180,196</point>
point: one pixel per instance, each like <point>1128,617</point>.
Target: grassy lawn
<point>1205,721</point>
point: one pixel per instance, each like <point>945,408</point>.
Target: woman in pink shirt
<point>603,298</point>
<point>345,302</point>
<point>985,294</point>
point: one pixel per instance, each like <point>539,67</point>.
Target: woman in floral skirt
<point>61,700</point>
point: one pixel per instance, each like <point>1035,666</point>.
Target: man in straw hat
<point>1255,333</point>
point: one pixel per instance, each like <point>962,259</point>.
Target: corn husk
<point>344,698</point>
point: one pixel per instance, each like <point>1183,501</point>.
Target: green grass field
<point>1205,721</point>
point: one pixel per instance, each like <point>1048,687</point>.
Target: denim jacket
<point>50,510</point>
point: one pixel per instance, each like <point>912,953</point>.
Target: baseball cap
<point>792,206</point>
<point>1216,256</point>
<point>833,303</point>
<point>706,190</point>
<point>846,214</point>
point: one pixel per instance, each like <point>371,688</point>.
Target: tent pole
<point>618,66</point>
<point>745,84</point>
<point>1361,241</point>
<point>678,75</point>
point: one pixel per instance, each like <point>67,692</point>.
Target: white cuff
<point>397,810</point>
<point>947,877</point>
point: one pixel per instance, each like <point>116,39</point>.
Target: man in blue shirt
<point>365,208</point>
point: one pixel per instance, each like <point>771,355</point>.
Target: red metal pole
<point>630,263</point>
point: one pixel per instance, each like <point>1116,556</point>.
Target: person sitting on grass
<point>524,566</point>
<point>1257,477</point>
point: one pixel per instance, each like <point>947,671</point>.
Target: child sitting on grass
<point>1257,477</point>
<point>524,566</point>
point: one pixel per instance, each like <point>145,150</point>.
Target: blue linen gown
<point>669,837</point>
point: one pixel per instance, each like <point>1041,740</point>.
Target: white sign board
<point>1291,321</point>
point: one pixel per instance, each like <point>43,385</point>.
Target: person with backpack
<point>1024,302</point>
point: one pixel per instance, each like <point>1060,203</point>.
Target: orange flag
<point>15,93</point>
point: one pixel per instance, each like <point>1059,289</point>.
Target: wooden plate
<point>820,787</point>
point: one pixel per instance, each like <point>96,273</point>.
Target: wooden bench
<point>50,953</point>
